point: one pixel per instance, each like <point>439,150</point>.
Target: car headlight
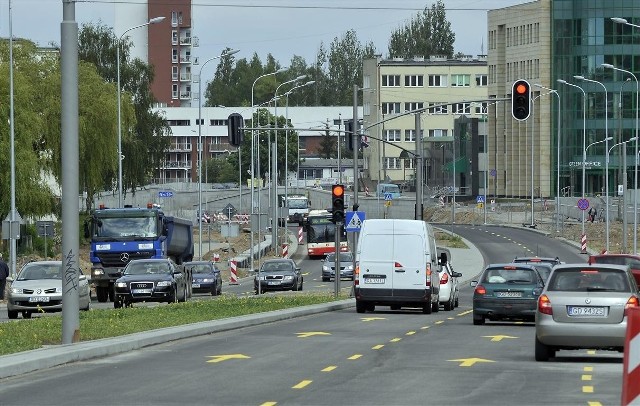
<point>348,268</point>
<point>121,284</point>
<point>163,283</point>
<point>207,280</point>
<point>97,271</point>
<point>288,278</point>
<point>325,268</point>
<point>261,278</point>
<point>16,290</point>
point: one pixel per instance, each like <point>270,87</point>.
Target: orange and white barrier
<point>631,364</point>
<point>583,244</point>
<point>300,235</point>
<point>285,250</point>
<point>216,257</point>
<point>233,269</point>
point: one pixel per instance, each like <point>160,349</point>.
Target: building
<point>444,90</point>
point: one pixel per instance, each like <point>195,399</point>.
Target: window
<point>390,80</point>
<point>437,81</point>
<point>222,123</point>
<point>410,135</point>
<point>174,37</point>
<point>460,80</point>
<point>481,108</point>
<point>409,106</point>
<point>391,135</point>
<point>438,133</point>
<point>179,123</point>
<point>414,80</point>
<point>393,163</point>
<point>442,109</point>
<point>174,73</point>
<point>462,108</point>
<point>390,108</point>
<point>409,163</point>
<point>481,80</point>
<point>174,91</point>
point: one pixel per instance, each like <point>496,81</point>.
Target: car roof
<point>198,263</point>
<point>537,259</point>
<point>511,264</point>
<point>151,260</point>
<point>584,265</point>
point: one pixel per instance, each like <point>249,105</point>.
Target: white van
<point>396,265</point>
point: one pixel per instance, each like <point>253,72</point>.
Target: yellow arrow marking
<point>355,356</point>
<point>307,334</point>
<point>395,340</point>
<point>498,337</point>
<point>468,362</point>
<point>377,347</point>
<point>220,358</point>
<point>587,389</point>
<point>301,385</point>
<point>465,313</point>
<point>329,368</point>
<point>372,318</point>
<point>410,333</point>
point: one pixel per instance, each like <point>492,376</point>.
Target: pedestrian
<point>590,218</point>
<point>595,214</point>
<point>4,274</point>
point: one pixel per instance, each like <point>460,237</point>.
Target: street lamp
<point>154,20</point>
<point>224,53</point>
<point>584,141</point>
<point>606,134</point>
<point>623,21</point>
<point>624,185</point>
<point>635,183</point>
<point>557,158</point>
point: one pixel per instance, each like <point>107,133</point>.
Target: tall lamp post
<point>555,92</point>
<point>584,141</point>
<point>635,183</point>
<point>154,20</point>
<point>624,234</point>
<point>606,134</point>
<point>225,53</point>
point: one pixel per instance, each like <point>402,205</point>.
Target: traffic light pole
<point>419,161</point>
<point>336,272</point>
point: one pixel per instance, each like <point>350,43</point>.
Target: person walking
<point>4,274</point>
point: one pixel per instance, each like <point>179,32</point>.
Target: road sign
<point>353,220</point>
<point>388,197</point>
<point>229,210</point>
<point>480,199</point>
<point>45,228</point>
<point>583,204</point>
<point>165,193</point>
<point>493,173</point>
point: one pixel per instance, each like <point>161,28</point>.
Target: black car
<point>278,274</point>
<point>151,280</point>
<point>205,277</point>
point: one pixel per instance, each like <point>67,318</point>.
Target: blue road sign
<point>388,197</point>
<point>353,220</point>
<point>493,173</point>
<point>583,204</point>
<point>480,199</point>
<point>165,193</point>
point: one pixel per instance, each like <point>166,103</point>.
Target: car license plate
<point>195,285</point>
<point>508,294</point>
<point>38,299</point>
<point>588,311</point>
<point>141,291</point>
<point>273,283</point>
<point>374,280</point>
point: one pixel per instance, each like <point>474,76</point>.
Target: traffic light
<point>337,203</point>
<point>235,128</point>
<point>521,100</point>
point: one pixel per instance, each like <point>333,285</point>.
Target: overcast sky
<point>281,27</point>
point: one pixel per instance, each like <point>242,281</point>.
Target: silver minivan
<point>396,266</point>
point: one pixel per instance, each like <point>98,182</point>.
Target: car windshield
<point>277,266</point>
<point>200,268</point>
<point>589,280</point>
<point>544,269</point>
<point>509,275</point>
<point>145,268</point>
<point>297,203</point>
<point>40,271</point>
<point>344,257</point>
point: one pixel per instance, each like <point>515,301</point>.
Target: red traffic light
<point>337,190</point>
<point>521,100</point>
<point>521,88</point>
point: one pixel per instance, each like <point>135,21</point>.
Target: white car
<point>449,292</point>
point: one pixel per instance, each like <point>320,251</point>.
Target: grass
<point>446,239</point>
<point>24,335</point>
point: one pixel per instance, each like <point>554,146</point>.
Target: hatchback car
<point>38,288</point>
<point>449,291</point>
<point>205,277</point>
<point>584,306</point>
<point>506,292</point>
<point>151,280</point>
<point>329,266</point>
<point>278,274</point>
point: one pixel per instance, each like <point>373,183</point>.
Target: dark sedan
<point>205,277</point>
<point>151,280</point>
<point>278,274</point>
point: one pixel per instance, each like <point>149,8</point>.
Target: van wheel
<point>426,309</point>
<point>360,307</point>
<point>12,314</point>
<point>478,320</point>
<point>435,306</point>
<point>543,352</point>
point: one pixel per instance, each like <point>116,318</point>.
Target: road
<point>386,357</point>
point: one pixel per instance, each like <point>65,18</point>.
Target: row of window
<point>529,69</point>
<point>397,163</point>
<point>410,135</point>
<point>457,80</point>
<point>438,108</point>
<point>518,35</point>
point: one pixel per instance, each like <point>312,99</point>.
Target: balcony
<point>177,164</point>
<point>185,77</point>
<point>185,41</point>
<point>180,148</point>
<point>185,59</point>
<point>185,95</point>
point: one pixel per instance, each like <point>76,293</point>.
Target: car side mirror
<point>473,284</point>
<point>82,277</point>
<point>456,274</point>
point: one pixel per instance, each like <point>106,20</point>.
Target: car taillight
<point>480,290</point>
<point>632,302</point>
<point>356,274</point>
<point>428,283</point>
<point>544,305</point>
<point>444,279</point>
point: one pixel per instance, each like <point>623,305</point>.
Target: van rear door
<point>376,266</point>
<point>409,268</point>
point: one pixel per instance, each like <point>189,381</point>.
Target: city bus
<point>321,234</point>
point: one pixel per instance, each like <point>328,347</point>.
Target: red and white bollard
<point>233,269</point>
<point>366,191</point>
<point>300,235</point>
<point>583,244</point>
<point>631,363</point>
<point>216,257</point>
<point>285,250</point>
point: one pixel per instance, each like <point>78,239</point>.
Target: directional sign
<point>480,199</point>
<point>353,220</point>
<point>388,197</point>
<point>469,362</point>
<point>498,337</point>
<point>165,193</point>
<point>229,210</point>
<point>583,204</point>
<point>307,334</point>
<point>220,358</point>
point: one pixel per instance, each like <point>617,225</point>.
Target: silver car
<point>584,306</point>
<point>38,288</point>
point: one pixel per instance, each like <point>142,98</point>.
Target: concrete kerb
<point>29,361</point>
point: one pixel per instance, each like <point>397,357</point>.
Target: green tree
<point>328,147</point>
<point>428,33</point>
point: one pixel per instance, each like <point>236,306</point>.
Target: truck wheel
<point>12,314</point>
<point>102,293</point>
<point>26,315</point>
<point>361,307</point>
<point>112,293</point>
<point>117,303</point>
<point>173,298</point>
<point>426,309</point>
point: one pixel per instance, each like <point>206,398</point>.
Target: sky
<point>283,28</point>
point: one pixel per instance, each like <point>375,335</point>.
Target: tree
<point>328,148</point>
<point>429,33</point>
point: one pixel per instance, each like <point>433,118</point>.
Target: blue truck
<point>119,235</point>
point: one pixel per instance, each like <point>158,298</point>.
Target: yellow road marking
<point>377,347</point>
<point>301,385</point>
<point>220,358</point>
<point>307,334</point>
<point>439,322</point>
<point>465,313</point>
<point>498,337</point>
<point>424,328</point>
<point>587,389</point>
<point>469,362</point>
<point>355,356</point>
<point>372,318</point>
<point>586,377</point>
<point>329,368</point>
<point>269,404</point>
<point>410,333</point>
<point>395,340</point>
<point>588,369</point>
<point>590,403</point>
<point>591,352</point>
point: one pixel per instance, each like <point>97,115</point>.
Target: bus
<point>321,234</point>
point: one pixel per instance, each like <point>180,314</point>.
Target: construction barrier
<point>366,191</point>
<point>583,243</point>
<point>285,250</point>
<point>216,257</point>
<point>631,364</point>
<point>300,235</point>
<point>233,270</point>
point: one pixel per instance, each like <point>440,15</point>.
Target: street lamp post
<point>584,142</point>
<point>606,134</point>
<point>624,184</point>
<point>635,182</point>
<point>225,53</point>
<point>154,20</point>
